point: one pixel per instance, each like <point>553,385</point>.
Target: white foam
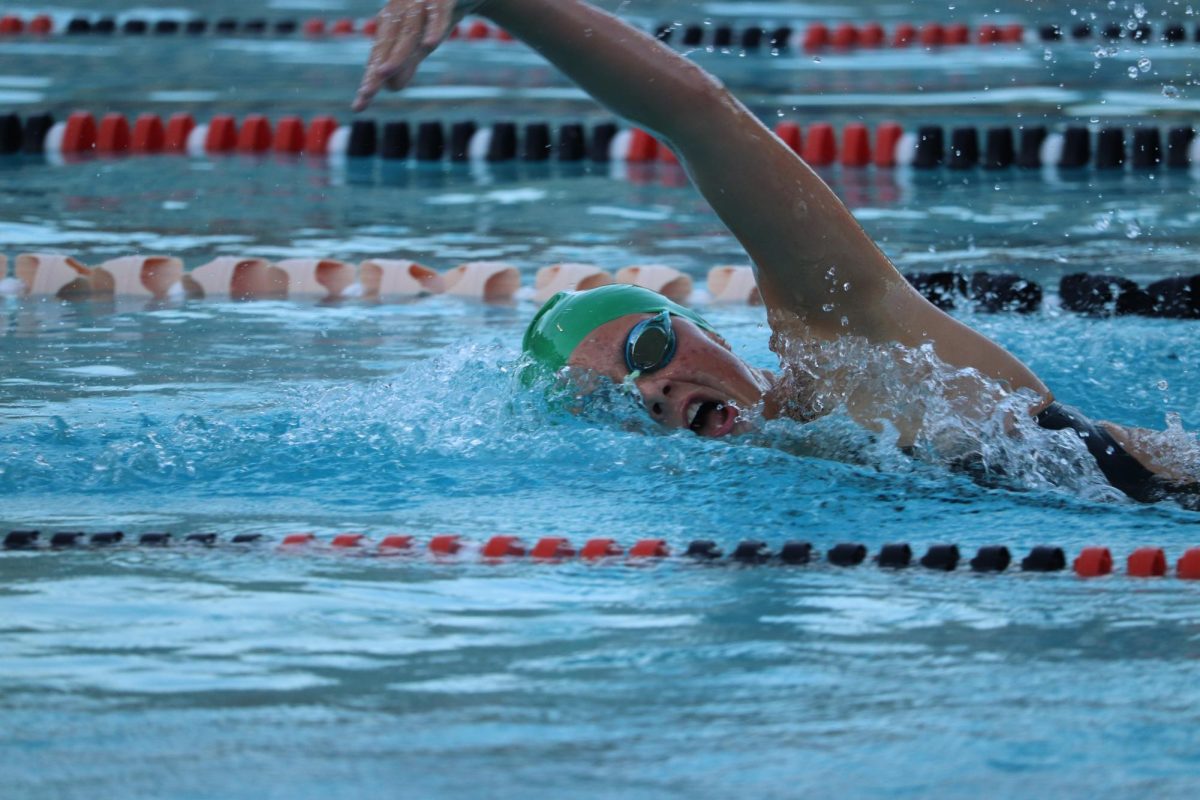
<point>98,371</point>
<point>1051,150</point>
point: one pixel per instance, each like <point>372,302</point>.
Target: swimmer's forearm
<point>791,224</point>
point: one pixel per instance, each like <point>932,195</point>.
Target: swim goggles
<point>650,344</point>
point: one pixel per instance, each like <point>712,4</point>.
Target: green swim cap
<point>568,317</point>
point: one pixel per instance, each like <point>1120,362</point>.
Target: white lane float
<point>53,275</point>
<point>731,284</point>
<point>489,281</point>
<point>238,277</point>
<point>157,277</point>
<point>665,280</point>
<point>568,276</point>
<point>384,277</point>
<point>321,277</point>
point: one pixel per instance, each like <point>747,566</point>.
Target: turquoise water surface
<point>250,672</point>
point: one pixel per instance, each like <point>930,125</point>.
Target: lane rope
<point>933,36</point>
<point>1091,562</point>
<point>1140,148</point>
<point>164,278</point>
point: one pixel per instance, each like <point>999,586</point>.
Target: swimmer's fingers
<point>439,18</point>
<point>395,53</point>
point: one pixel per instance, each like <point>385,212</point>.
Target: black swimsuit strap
<point>1122,470</point>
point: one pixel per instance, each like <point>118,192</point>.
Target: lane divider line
<point>1091,562</point>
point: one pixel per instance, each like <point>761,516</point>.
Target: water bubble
<point>1112,4</point>
<point>827,307</point>
<point>1102,223</point>
<point>1132,230</point>
<point>1144,64</point>
<point>845,321</point>
<point>1133,72</point>
<point>1170,91</point>
<point>846,286</point>
<point>1162,385</point>
<point>1047,55</point>
<point>1139,11</point>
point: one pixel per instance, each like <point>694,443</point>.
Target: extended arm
<point>813,260</point>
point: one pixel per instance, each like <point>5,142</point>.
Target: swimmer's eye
<point>650,344</point>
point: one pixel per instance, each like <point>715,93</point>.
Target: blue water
<point>250,672</point>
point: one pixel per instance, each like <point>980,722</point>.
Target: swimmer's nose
<point>654,395</point>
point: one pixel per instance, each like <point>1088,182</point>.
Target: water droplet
<point>1144,64</point>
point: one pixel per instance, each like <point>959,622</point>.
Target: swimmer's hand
<point>409,30</point>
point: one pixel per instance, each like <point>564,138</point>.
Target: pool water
<point>253,672</point>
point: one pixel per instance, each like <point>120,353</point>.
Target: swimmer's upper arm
<point>812,258</point>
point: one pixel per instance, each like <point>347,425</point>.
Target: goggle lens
<point>651,344</point>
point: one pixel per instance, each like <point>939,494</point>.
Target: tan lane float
<point>323,277</point>
<point>733,285</point>
<point>384,277</point>
<point>247,278</point>
<point>490,281</point>
<point>52,275</point>
<point>141,276</point>
<point>237,277</point>
<point>665,280</point>
<point>567,276</point>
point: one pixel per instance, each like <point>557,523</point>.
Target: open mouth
<point>710,417</point>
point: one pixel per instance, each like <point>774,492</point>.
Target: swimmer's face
<point>705,387</point>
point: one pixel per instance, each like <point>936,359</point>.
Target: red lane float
<point>445,545</point>
<point>255,134</point>
<point>650,548</point>
<point>1093,562</point>
<point>80,134</point>
<point>179,130</point>
<point>1188,567</point>
<point>1146,562</point>
<point>820,148</point>
<point>289,136</point>
<point>222,134</point>
<point>503,547</point>
<point>552,548</point>
<point>396,542</point>
<point>112,137</point>
<point>149,135</point>
<point>595,549</point>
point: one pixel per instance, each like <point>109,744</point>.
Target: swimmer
<point>821,277</point>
